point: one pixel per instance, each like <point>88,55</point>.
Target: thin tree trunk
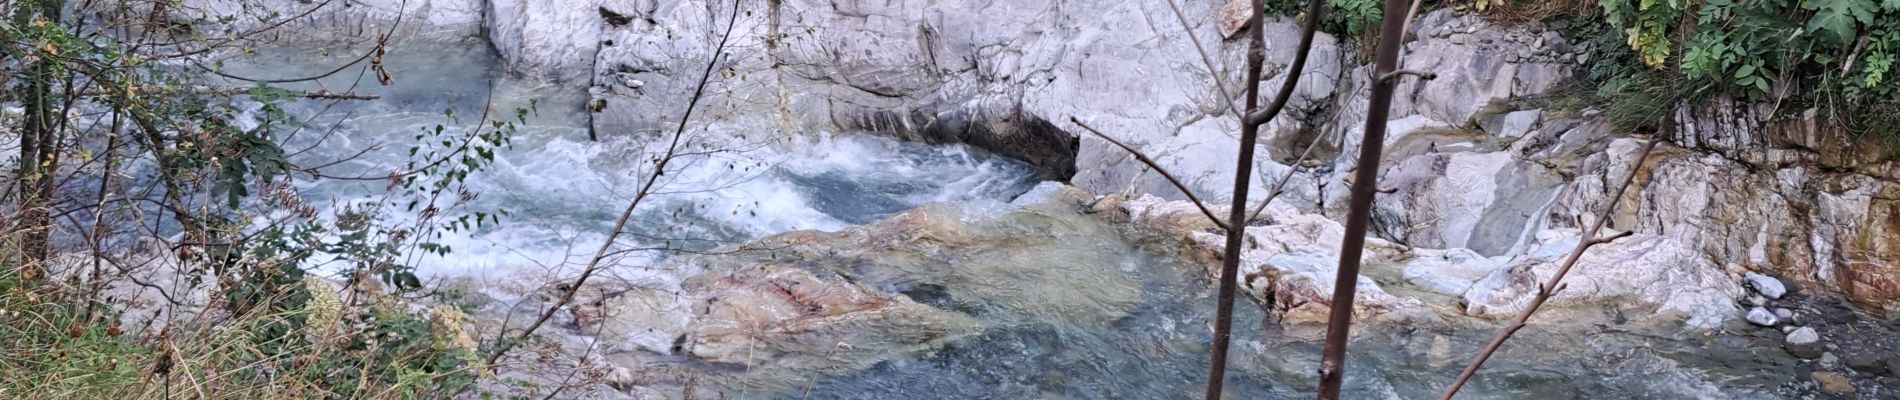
<point>37,141</point>
<point>1364,187</point>
<point>1237,214</point>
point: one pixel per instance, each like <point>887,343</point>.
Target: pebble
<point>1804,342</point>
<point>1764,284</point>
<point>1829,361</point>
<point>1756,300</point>
<point>1762,317</point>
<point>1460,38</point>
<point>1804,335</point>
<point>1784,313</point>
<point>1833,383</point>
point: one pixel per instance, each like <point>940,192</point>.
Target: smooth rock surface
<point>1833,383</point>
<point>1765,285</point>
<point>1762,317</point>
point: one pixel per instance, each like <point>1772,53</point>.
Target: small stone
<point>1804,335</point>
<point>1757,301</point>
<point>1866,363</point>
<point>1511,58</point>
<point>1583,57</point>
<point>1460,38</point>
<point>1559,25</point>
<point>1569,58</point>
<point>1762,317</point>
<point>1233,16</point>
<point>1829,361</point>
<point>1764,284</point>
<point>1524,54</point>
<point>1804,342</point>
<point>1833,383</point>
<point>1440,349</point>
<point>1556,42</point>
<point>1784,313</point>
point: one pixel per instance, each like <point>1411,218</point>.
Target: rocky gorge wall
<point>1476,169</point>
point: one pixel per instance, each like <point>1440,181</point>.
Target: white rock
<point>1803,336</point>
<point>1763,317</point>
<point>1784,313</point>
<point>1764,284</point>
<point>1656,271</point>
<point>1518,123</point>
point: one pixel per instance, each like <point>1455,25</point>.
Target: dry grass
<point>51,347</point>
<point>1510,13</point>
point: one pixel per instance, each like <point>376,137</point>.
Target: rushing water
<point>1076,309</point>
<point>562,191</point>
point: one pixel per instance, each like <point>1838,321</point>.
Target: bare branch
<point>1425,75</point>
<point>1158,169</point>
<point>1280,187</point>
<point>1410,15</point>
<point>1556,280</point>
<point>319,94</point>
<point>1315,11</point>
<point>1212,73</point>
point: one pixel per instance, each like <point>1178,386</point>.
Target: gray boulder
<point>1765,285</point>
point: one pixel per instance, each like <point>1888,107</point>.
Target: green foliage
<point>1835,21</point>
<point>1352,17</point>
<point>1346,18</point>
<point>1832,54</point>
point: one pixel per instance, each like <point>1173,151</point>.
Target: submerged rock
<point>780,316</point>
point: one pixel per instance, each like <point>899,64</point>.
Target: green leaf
<point>1834,19</point>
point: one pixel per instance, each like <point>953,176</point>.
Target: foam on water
<point>563,192</point>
